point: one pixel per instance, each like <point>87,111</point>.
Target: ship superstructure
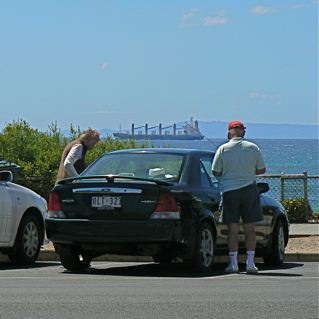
<point>188,131</point>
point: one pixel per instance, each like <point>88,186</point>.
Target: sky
<point>110,63</point>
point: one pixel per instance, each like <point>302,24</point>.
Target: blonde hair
<point>89,134</point>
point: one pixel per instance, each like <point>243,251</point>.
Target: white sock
<point>233,258</point>
<point>250,258</point>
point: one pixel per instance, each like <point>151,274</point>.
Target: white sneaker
<point>231,269</point>
<point>251,269</point>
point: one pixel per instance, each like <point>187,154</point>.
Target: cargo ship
<point>188,131</point>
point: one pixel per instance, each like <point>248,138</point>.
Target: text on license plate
<point>106,201</point>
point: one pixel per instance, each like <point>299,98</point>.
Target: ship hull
<point>169,137</point>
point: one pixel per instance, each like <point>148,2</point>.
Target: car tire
<point>28,241</point>
<point>203,257</point>
<point>277,254</point>
<point>72,259</point>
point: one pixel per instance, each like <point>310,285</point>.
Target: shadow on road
<point>8,265</point>
<point>177,270</point>
<point>265,270</point>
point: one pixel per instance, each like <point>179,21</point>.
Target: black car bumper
<point>77,231</point>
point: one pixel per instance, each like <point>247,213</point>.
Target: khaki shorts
<point>242,203</point>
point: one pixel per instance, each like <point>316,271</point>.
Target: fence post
<point>282,187</point>
<point>305,192</point>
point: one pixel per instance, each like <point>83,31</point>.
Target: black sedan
<point>162,203</point>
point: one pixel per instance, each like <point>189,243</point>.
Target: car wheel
<point>277,254</point>
<point>72,259</point>
<point>204,253</point>
<point>28,241</point>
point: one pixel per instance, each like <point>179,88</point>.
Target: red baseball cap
<point>236,124</point>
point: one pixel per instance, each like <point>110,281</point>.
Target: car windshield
<point>143,165</point>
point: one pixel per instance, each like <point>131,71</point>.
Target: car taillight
<point>167,207</point>
<point>55,210</point>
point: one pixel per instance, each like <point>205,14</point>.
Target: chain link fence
<point>302,188</point>
<point>285,187</point>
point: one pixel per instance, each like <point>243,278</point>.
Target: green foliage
<point>298,209</point>
<point>315,215</point>
<point>39,153</point>
<point>35,152</point>
<point>74,132</point>
<point>110,144</point>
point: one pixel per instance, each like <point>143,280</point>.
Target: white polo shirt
<point>238,161</point>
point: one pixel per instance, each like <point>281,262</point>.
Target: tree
<point>39,153</point>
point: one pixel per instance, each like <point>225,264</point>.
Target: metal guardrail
<point>282,187</point>
<point>291,186</point>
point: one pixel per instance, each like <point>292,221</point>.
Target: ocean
<point>286,156</point>
<point>281,156</point>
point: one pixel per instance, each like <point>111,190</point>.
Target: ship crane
<point>151,127</point>
<point>175,128</point>
<point>188,131</point>
<point>135,128</point>
<point>146,127</point>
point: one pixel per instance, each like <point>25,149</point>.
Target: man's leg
<point>233,236</point>
<point>233,247</point>
<point>250,236</point>
<point>231,211</point>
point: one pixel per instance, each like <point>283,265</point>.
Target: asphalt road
<point>147,290</point>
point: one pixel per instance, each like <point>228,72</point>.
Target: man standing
<point>72,159</point>
<point>236,165</point>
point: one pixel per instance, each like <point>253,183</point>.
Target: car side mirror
<point>263,187</point>
<point>6,176</point>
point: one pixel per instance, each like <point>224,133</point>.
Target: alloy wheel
<point>207,247</point>
<point>30,239</point>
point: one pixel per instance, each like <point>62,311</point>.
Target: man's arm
<point>217,165</point>
<point>260,165</point>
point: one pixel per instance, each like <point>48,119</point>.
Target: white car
<point>22,221</point>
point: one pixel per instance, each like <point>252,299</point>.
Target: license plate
<point>106,201</point>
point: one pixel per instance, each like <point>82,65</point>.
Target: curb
<point>302,235</point>
<point>302,257</point>
<point>50,255</point>
<point>293,257</point>
<point>46,255</point>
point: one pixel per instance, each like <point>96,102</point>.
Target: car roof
<point>164,150</point>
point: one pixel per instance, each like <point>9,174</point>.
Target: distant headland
<point>218,129</point>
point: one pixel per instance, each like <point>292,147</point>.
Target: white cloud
<point>104,65</point>
<point>188,19</point>
<point>218,19</point>
<point>304,5</point>
<point>265,96</point>
<point>261,10</point>
<point>298,6</point>
<point>188,16</point>
<point>192,18</point>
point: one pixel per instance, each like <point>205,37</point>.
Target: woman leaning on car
<point>73,157</point>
